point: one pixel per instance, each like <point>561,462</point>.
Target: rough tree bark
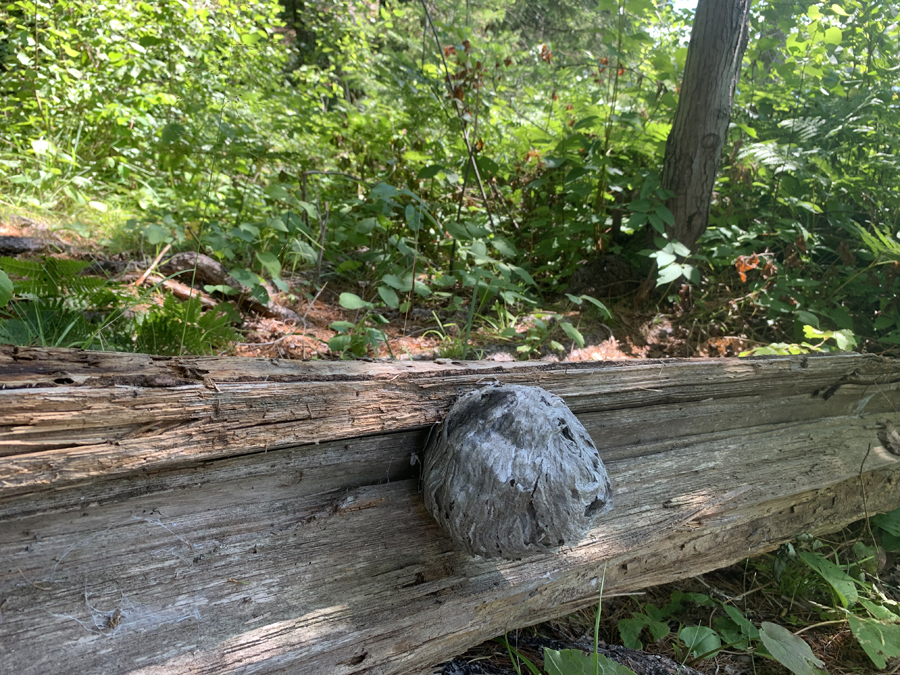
<point>711,73</point>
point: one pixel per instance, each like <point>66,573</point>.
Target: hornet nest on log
<point>513,472</point>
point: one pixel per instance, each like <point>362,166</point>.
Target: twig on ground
<point>153,265</point>
<point>178,289</point>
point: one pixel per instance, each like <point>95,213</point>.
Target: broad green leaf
<point>664,258</point>
<point>636,220</point>
<point>842,583</point>
<point>220,288</point>
<point>277,224</point>
<point>524,275</point>
<point>584,122</point>
<point>389,295</point>
<point>478,249</point>
<point>640,205</point>
<point>429,172</point>
<point>339,343</point>
<point>730,633</point>
<point>658,629</point>
<point>395,282</point>
<point>812,332</point>
<point>630,631</point>
<point>750,131</point>
<point>278,191</point>
<point>833,36</point>
<point>260,293</point>
<point>457,231</point>
<point>310,209</point>
<point>813,12</point>
<point>573,333</point>
<point>691,273</point>
<point>576,173</point>
<point>353,301</point>
<point>487,166</point>
<point>657,223</point>
<point>680,249</point>
<point>6,289</point>
<point>575,662</point>
<point>342,326</point>
<point>270,262</point>
<point>837,9</point>
<point>383,192</point>
<point>245,277</point>
<point>504,247</point>
<point>889,522</point>
<point>700,640</point>
<point>157,234</point>
<point>880,641</point>
<point>807,318</point>
<point>348,266</point>
<point>172,132</point>
<point>665,214</point>
<point>880,612</point>
<point>415,156</point>
<point>669,274</point>
<point>845,340</point>
<point>790,650</point>
<point>747,628</point>
<point>251,38</point>
<point>599,305</point>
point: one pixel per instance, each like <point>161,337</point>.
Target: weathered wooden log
<point>219,515</point>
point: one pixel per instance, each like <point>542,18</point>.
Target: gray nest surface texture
<point>512,472</point>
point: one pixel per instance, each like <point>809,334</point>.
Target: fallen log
<point>218,515</point>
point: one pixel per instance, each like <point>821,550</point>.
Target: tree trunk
<point>711,73</point>
<point>190,515</point>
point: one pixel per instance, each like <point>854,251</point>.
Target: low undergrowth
<point>816,605</point>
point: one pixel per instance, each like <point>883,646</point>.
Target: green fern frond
<point>880,241</point>
<point>179,328</point>
<point>770,154</point>
<point>803,129</point>
<point>50,277</point>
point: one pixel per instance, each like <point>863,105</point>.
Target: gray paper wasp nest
<point>513,472</point>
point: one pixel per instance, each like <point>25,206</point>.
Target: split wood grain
<point>302,545</point>
<point>108,414</point>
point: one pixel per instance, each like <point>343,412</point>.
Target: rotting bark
<point>694,146</point>
<point>191,267</point>
<point>206,515</point>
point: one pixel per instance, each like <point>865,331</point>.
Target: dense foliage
<point>339,134</point>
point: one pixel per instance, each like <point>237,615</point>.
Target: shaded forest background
<point>299,143</point>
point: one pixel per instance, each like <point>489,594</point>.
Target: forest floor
<point>749,586</point>
<point>638,329</point>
